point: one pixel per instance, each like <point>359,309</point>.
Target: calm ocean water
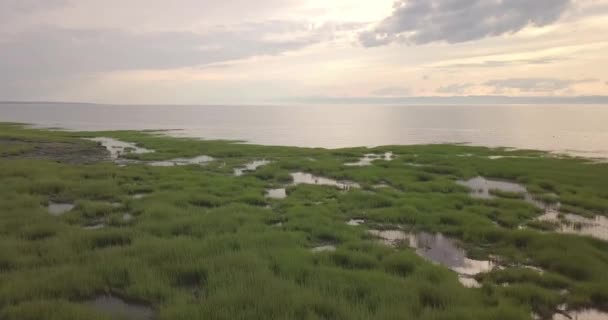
<point>576,129</point>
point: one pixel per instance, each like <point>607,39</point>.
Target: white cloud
<point>392,92</point>
<point>543,85</point>
<point>455,88</point>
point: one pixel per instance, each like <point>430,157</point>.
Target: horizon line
<point>307,100</point>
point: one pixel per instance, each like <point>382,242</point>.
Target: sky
<point>272,51</point>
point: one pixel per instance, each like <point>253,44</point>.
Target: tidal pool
<point>381,186</point>
<point>279,193</point>
<point>249,167</point>
<point>481,187</point>
<point>58,209</point>
<point>566,223</point>
<point>586,314</point>
<point>118,308</point>
<point>498,157</point>
<point>575,224</point>
<point>199,160</point>
<point>325,248</point>
<point>94,226</point>
<point>443,250</point>
<point>118,148</point>
<point>369,158</point>
<point>438,249</point>
<point>416,165</point>
<point>307,178</point>
<point>355,222</point>
<point>392,238</point>
<point>468,282</point>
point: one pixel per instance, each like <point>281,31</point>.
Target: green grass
<point>204,244</point>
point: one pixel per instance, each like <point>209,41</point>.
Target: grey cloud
<point>67,50</point>
<point>392,92</point>
<point>455,88</point>
<point>453,21</point>
<point>500,63</point>
<point>535,84</point>
<point>448,100</point>
<point>54,53</point>
<point>10,8</point>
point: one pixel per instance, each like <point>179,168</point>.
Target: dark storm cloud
<point>453,21</point>
<point>542,85</point>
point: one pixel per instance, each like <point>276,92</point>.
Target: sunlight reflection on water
<point>576,129</point>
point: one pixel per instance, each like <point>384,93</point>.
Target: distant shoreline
<point>422,100</point>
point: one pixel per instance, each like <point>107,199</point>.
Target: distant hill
<point>43,102</point>
<point>457,100</point>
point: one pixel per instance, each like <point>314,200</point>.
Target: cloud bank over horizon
<point>213,51</point>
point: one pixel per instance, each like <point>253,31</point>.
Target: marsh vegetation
<point>87,233</point>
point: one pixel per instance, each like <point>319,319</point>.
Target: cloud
<point>13,7</point>
<point>453,21</point>
<point>448,100</point>
<point>14,10</point>
<point>142,14</point>
<point>59,53</point>
<point>392,92</point>
<point>455,88</point>
<point>543,85</point>
<point>504,63</point>
<point>70,50</point>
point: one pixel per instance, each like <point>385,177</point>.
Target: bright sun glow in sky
<point>268,51</point>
